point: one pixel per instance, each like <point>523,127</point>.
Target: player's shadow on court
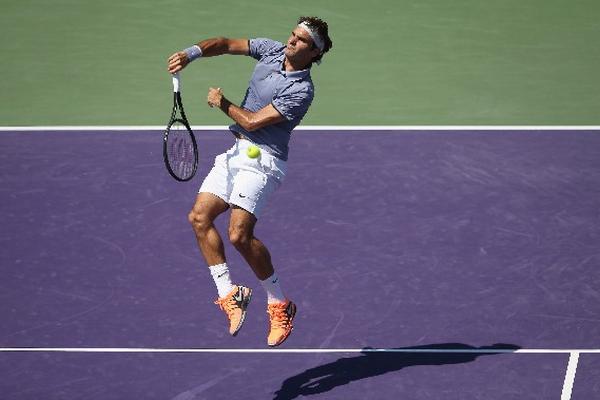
<point>326,377</point>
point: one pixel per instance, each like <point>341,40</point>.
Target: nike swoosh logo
<point>242,196</point>
<point>239,296</point>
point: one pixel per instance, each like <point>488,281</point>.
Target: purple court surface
<point>487,242</point>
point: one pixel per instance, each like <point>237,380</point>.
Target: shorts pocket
<point>274,167</point>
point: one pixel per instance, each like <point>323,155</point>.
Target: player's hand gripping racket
<point>179,146</point>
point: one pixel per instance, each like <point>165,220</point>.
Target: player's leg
<point>233,299</point>
<point>202,216</point>
<point>281,310</point>
<point>241,235</point>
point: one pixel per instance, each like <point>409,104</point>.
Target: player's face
<point>300,46</point>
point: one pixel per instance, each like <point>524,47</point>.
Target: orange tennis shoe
<point>281,316</point>
<point>234,305</point>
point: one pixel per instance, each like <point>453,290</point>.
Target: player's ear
<point>315,52</point>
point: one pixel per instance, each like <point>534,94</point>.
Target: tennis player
<point>278,97</point>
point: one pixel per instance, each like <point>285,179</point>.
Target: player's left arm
<point>248,120</point>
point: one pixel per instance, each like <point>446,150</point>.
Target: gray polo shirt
<point>290,93</point>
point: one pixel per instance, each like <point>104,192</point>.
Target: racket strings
<point>180,150</point>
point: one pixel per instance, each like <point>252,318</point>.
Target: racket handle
<point>176,82</point>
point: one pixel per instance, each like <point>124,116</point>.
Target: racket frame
<point>178,107</point>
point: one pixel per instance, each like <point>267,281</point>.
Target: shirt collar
<point>295,75</point>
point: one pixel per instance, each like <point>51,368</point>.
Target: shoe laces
<point>227,304</point>
<point>278,316</point>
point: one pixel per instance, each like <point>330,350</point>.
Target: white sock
<point>220,274</point>
<point>273,289</point>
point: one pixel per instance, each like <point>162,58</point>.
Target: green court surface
<point>394,62</point>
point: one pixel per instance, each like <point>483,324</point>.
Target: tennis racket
<point>180,151</point>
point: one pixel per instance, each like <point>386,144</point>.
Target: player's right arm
<point>210,48</point>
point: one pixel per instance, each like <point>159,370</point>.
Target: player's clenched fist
<point>177,62</point>
<point>214,97</point>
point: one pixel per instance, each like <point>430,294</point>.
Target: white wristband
<point>193,52</point>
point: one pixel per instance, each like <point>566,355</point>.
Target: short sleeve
<point>261,46</point>
<point>293,101</point>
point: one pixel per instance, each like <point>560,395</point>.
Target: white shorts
<point>243,181</point>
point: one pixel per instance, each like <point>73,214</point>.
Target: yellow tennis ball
<point>253,151</point>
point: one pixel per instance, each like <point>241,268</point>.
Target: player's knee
<point>239,238</point>
<point>199,221</point>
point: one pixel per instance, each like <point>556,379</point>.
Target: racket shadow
<point>326,377</point>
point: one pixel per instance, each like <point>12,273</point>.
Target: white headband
<point>317,39</point>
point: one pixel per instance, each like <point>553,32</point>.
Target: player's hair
<point>322,29</point>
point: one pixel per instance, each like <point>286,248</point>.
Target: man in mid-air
<point>279,95</point>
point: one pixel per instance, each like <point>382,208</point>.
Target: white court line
<point>570,376</point>
<point>314,128</point>
<point>307,350</point>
